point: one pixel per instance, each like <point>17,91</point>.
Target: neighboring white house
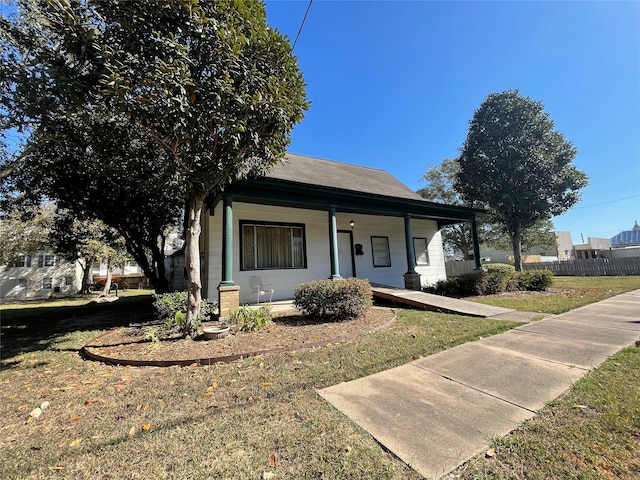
<point>311,219</point>
<point>41,275</point>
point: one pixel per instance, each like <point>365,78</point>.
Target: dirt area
<point>131,345</point>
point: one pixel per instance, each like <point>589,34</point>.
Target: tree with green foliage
<point>25,231</point>
<point>214,87</point>
<point>88,242</point>
<point>439,188</point>
<point>517,166</point>
<point>440,180</point>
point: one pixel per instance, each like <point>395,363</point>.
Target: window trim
<point>50,287</point>
<point>426,250</point>
<point>259,223</point>
<point>388,248</point>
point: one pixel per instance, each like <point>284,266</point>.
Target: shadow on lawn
<point>27,330</point>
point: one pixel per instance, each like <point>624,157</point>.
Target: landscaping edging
<point>86,353</point>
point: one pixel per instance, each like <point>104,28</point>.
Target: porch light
<point>352,224</point>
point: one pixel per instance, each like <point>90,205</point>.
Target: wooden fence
<point>592,267</point>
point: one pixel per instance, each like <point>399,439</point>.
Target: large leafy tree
<point>25,231</point>
<point>209,82</point>
<point>514,163</point>
<point>440,180</point>
<point>88,242</point>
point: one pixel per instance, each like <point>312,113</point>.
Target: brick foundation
<point>228,300</point>
<point>412,281</point>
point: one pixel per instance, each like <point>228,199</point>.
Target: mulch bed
<point>128,345</point>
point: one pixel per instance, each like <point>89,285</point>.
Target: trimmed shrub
<point>333,299</point>
<point>535,280</point>
<point>499,278</point>
<point>499,267</point>
<point>249,319</point>
<point>462,286</point>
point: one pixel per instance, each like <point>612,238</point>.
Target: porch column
<point>333,245</point>
<point>411,278</point>
<point>408,236</point>
<point>227,241</point>
<point>476,243</point>
<point>228,292</point>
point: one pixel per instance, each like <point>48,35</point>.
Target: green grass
<point>263,414</point>
<point>226,421</point>
<point>567,293</point>
<point>592,432</point>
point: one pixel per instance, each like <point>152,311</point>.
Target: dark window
<point>47,283</point>
<point>272,246</point>
<point>380,251</point>
<point>420,247</point>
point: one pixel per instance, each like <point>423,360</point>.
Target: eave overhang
<point>267,191</point>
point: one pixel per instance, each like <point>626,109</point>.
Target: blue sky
<point>393,85</point>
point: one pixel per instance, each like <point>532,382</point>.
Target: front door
<point>345,254</point>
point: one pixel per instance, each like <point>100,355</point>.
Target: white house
<point>41,275</point>
<point>311,219</point>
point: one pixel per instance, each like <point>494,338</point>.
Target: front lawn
<point>567,293</point>
<point>241,420</point>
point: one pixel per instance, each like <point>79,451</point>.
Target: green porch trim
<point>227,242</point>
<point>476,244</point>
<point>333,245</point>
<point>411,254</point>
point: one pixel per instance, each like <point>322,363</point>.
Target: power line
<point>301,25</point>
<point>610,201</point>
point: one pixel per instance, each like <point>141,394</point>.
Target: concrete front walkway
<point>439,411</point>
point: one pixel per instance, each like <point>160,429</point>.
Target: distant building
<point>628,238</point>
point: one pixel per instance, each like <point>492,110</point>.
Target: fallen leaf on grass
<point>268,475</point>
<point>266,384</point>
<point>575,406</point>
<point>90,401</point>
<point>146,426</point>
<point>272,460</point>
<point>490,453</point>
<point>56,468</point>
<point>132,431</point>
<point>207,394</point>
<point>22,408</point>
<point>76,442</point>
<point>74,419</point>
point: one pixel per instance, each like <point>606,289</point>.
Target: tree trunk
<point>86,269</point>
<point>516,241</point>
<point>192,262</point>
<point>107,284</point>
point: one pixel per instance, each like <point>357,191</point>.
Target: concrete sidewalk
<point>439,411</point>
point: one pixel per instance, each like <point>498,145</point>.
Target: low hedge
<point>494,280</point>
<point>333,299</point>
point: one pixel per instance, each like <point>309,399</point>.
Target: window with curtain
<point>380,250</point>
<point>420,247</point>
<point>272,246</point>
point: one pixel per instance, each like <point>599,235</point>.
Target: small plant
<point>151,334</point>
<point>171,309</point>
<point>248,319</point>
<point>333,300</point>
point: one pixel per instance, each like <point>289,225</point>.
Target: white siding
<point>317,248</point>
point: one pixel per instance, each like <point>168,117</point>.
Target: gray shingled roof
<point>327,173</point>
